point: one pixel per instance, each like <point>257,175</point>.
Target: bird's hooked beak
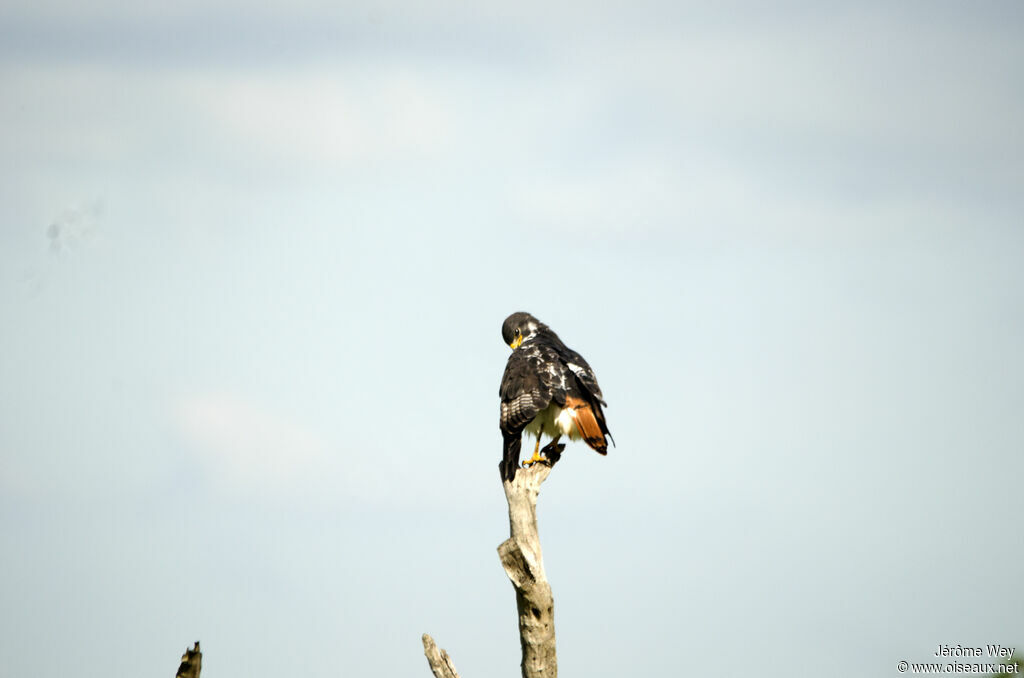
<point>516,342</point>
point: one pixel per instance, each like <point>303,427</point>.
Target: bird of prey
<point>547,389</point>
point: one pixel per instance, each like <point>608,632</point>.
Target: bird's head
<point>520,327</point>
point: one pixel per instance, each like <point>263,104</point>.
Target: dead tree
<point>521,557</point>
<point>191,663</point>
<point>440,663</point>
<point>523,562</point>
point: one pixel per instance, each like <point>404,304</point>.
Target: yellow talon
<point>536,457</point>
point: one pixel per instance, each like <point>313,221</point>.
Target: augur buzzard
<point>548,389</point>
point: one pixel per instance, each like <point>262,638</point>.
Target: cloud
<point>247,446</point>
<point>341,117</point>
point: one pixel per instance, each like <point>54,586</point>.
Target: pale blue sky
<point>253,267</point>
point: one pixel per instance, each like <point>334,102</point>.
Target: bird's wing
<point>527,387</point>
<point>584,374</point>
<point>588,387</point>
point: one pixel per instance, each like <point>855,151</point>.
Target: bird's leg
<point>536,450</point>
<point>553,451</point>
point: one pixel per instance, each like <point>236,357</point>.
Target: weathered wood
<point>440,663</point>
<point>521,557</point>
<point>191,663</point>
<point>523,562</point>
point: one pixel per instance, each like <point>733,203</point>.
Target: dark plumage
<point>547,389</point>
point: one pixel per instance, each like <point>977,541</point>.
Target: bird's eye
<point>518,332</point>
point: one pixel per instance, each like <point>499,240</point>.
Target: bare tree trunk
<point>521,557</point>
<point>191,663</point>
